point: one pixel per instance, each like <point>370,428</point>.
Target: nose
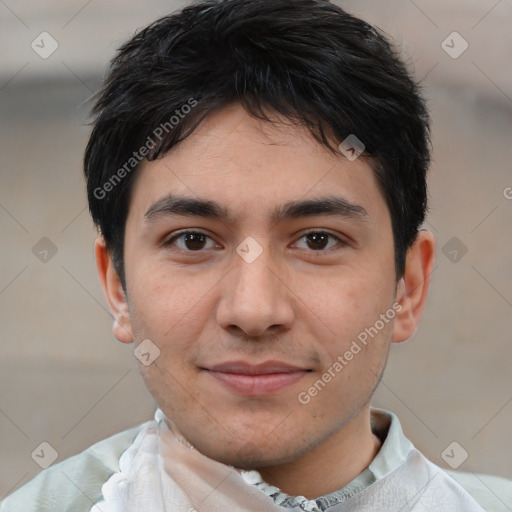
<point>255,298</point>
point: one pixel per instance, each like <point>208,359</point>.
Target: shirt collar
<point>393,452</point>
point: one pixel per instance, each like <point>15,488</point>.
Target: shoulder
<point>493,493</point>
<point>75,483</point>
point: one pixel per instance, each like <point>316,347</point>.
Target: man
<point>257,174</point>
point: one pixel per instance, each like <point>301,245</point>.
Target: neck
<point>330,465</point>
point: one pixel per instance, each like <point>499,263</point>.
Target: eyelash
<point>341,243</point>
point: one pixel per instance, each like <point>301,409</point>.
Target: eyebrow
<point>173,205</point>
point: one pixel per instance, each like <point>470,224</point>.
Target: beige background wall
<point>63,377</point>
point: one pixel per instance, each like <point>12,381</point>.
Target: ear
<point>413,287</point>
<point>114,292</point>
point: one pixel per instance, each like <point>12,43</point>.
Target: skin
<point>299,302</point>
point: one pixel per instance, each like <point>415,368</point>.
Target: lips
<point>256,379</point>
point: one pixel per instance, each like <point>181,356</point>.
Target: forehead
<point>251,167</point>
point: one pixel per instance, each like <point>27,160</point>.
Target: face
<point>253,300</point>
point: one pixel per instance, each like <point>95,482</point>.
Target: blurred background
<point>66,381</point>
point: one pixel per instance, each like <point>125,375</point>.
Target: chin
<point>250,456</point>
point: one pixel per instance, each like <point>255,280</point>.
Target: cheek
<point>357,343</point>
<point>167,307</point>
<point>343,305</point>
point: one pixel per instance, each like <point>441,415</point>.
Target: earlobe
<point>121,328</point>
<point>114,293</point>
<point>412,289</point>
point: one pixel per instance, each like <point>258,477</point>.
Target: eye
<point>196,241</point>
<point>318,241</point>
<point>191,241</point>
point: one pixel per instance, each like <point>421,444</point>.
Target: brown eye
<point>190,241</point>
<point>317,241</point>
<point>194,241</point>
<point>321,241</point>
